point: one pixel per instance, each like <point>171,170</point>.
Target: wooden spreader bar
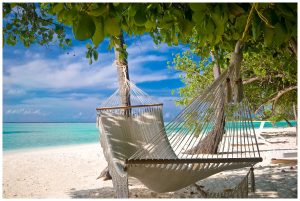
<point>200,160</point>
<point>128,107</point>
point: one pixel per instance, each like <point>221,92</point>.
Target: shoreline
<point>32,149</point>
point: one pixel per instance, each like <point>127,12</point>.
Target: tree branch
<point>276,97</point>
<point>36,17</point>
<point>253,79</point>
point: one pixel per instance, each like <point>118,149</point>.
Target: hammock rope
<point>208,136</point>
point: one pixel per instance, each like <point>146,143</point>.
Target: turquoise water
<point>34,135</point>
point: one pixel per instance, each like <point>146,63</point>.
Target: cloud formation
<point>55,85</point>
<point>64,72</point>
<point>25,111</point>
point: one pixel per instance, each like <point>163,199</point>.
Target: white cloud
<point>150,77</point>
<point>32,55</point>
<point>78,115</point>
<point>25,111</point>
<point>144,58</point>
<point>65,108</point>
<point>14,92</point>
<point>51,74</point>
<point>66,102</point>
<point>145,44</point>
<point>66,72</point>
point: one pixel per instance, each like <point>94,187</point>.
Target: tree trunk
<point>293,45</point>
<point>295,114</point>
<point>210,144</point>
<point>122,68</point>
<point>288,122</point>
<point>123,76</point>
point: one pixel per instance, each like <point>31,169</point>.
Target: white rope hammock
<point>212,134</point>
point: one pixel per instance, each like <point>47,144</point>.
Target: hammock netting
<point>212,134</point>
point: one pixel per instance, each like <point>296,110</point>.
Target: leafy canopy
<point>216,24</point>
<point>269,68</point>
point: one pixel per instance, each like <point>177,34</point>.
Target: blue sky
<point>49,84</point>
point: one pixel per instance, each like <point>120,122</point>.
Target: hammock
<point>167,158</point>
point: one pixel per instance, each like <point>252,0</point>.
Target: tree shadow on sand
<point>109,192</point>
<point>137,190</point>
<point>271,181</point>
<point>276,181</point>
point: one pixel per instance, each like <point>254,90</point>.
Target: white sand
<point>71,172</point>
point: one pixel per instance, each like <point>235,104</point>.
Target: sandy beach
<point>71,172</point>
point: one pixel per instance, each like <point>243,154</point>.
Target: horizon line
<point>45,122</point>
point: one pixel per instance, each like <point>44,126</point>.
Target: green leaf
<point>140,17</point>
<point>235,9</point>
<point>131,10</point>
<point>285,9</point>
<point>11,40</point>
<point>88,54</point>
<point>111,42</point>
<point>69,16</point>
<point>186,27</point>
<point>198,17</point>
<point>210,26</point>
<point>281,34</point>
<point>8,26</point>
<point>88,46</point>
<point>95,54</point>
<point>6,9</point>
<point>218,21</point>
<point>273,17</point>
<point>268,35</point>
<point>60,16</point>
<point>236,36</point>
<point>68,42</point>
<point>99,32</point>
<point>140,30</point>
<point>112,27</point>
<point>256,27</point>
<point>84,28</point>
<point>58,7</point>
<point>217,14</point>
<point>102,8</point>
<point>150,24</point>
<point>240,23</point>
<point>198,6</point>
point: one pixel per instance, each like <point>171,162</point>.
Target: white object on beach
<point>259,132</point>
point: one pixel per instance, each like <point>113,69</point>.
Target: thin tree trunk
<point>123,73</point>
<point>210,144</point>
<point>288,122</point>
<point>294,47</point>
<point>123,76</point>
<point>295,114</point>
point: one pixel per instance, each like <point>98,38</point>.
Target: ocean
<point>38,135</point>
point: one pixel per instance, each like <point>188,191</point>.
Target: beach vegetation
<point>269,65</point>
